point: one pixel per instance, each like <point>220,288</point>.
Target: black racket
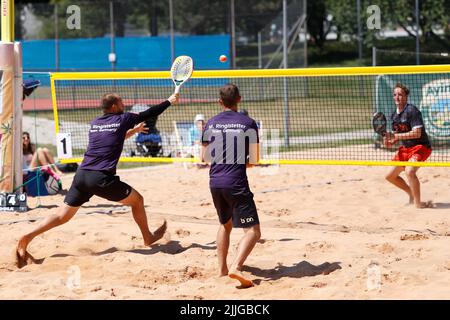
<point>379,123</point>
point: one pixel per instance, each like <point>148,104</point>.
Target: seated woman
<point>40,157</point>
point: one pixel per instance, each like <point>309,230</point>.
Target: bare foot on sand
<point>223,273</point>
<point>157,234</point>
<point>23,260</point>
<point>236,274</point>
<point>22,257</point>
<point>21,254</point>
<point>423,205</point>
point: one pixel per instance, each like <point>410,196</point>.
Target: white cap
<point>199,117</point>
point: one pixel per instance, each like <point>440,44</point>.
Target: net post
<point>7,20</point>
<point>7,117</point>
<point>17,111</point>
<point>7,103</point>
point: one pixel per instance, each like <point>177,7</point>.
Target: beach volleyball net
<point>306,116</point>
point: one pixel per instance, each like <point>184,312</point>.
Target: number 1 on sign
<point>64,145</point>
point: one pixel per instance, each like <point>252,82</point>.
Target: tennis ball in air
<point>223,58</point>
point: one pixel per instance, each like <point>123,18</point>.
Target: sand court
<point>328,232</point>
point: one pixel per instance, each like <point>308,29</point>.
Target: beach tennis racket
<point>181,71</point>
<point>379,123</point>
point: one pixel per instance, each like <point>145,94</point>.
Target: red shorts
<point>419,153</point>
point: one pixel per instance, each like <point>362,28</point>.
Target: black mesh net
<point>316,118</point>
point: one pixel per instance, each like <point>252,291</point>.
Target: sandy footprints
<point>280,212</point>
<point>414,237</point>
<point>148,278</point>
<point>182,233</point>
<point>319,284</point>
<point>319,246</point>
<point>383,248</point>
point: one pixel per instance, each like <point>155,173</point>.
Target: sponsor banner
<point>435,107</point>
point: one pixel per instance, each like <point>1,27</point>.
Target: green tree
<point>434,14</point>
<point>318,24</point>
<point>95,18</point>
<point>254,15</point>
<point>149,15</point>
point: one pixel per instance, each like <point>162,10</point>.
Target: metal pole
<point>259,51</point>
<point>111,26</point>
<point>260,80</point>
<point>360,39</point>
<point>417,33</point>
<point>305,48</point>
<point>172,39</point>
<point>374,56</point>
<point>285,83</point>
<point>358,17</point>
<point>233,35</point>
<point>56,38</point>
<point>305,44</point>
<point>285,35</point>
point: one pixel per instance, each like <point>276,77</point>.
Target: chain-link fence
<point>147,35</point>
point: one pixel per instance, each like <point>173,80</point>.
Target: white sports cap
<point>199,117</point>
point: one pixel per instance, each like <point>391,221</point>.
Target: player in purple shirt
<point>230,143</point>
<point>97,173</point>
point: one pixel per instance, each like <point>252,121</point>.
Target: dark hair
<point>109,99</point>
<point>229,94</point>
<point>31,147</point>
<point>403,87</point>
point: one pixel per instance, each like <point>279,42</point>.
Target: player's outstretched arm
<point>155,111</point>
<point>173,99</point>
<point>138,128</point>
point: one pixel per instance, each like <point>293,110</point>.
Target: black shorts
<point>104,184</point>
<point>237,204</point>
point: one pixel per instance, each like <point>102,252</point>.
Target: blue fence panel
<point>133,53</point>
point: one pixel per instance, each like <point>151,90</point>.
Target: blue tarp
<point>133,53</point>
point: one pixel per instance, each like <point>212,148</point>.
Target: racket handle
<point>177,89</point>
